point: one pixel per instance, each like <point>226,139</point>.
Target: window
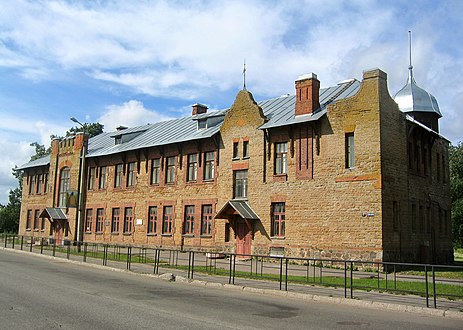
<point>206,220</point>
<point>202,123</point>
<point>91,178</point>
<point>128,220</point>
<point>167,220</point>
<point>45,183</point>
<point>115,220</point>
<point>99,220</point>
<point>42,224</point>
<point>118,140</point>
<point>170,168</point>
<point>278,219</point>
<point>131,174</point>
<point>395,216</point>
<point>29,219</point>
<point>102,182</point>
<point>88,221</point>
<point>118,176</point>
<point>227,232</point>
<point>413,218</point>
<point>189,221</point>
<point>39,184</point>
<point>350,151</point>
<point>241,184</point>
<point>421,215</point>
<point>36,219</point>
<point>32,185</point>
<point>281,158</point>
<point>209,165</point>
<point>245,149</point>
<point>192,167</point>
<point>63,186</point>
<point>235,150</point>
<point>155,171</point>
<point>152,219</point>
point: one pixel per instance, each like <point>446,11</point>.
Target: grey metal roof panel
<point>44,161</point>
<point>54,213</point>
<point>129,130</point>
<point>243,208</point>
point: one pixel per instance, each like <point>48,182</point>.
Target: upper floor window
<point>206,220</point>
<point>192,174</point>
<point>235,149</point>
<point>189,221</point>
<point>209,165</point>
<point>63,186</point>
<point>39,183</point>
<point>102,182</point>
<point>29,219</point>
<point>156,171</point>
<point>118,176</point>
<point>32,185</point>
<point>240,184</point>
<point>131,174</point>
<point>45,182</point>
<point>281,158</point>
<point>349,150</point>
<point>170,170</point>
<point>245,149</point>
<point>91,178</point>
<point>278,219</point>
<point>152,219</point>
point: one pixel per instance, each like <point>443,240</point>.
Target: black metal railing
<point>356,278</point>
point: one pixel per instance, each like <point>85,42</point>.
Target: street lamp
<point>80,213</point>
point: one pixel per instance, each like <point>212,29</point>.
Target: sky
<point>136,62</point>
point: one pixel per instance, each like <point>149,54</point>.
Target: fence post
<point>68,250</point>
<point>4,238</point>
<point>22,242</point>
<point>230,269</point>
<point>351,280</point>
<point>434,287</point>
<point>281,270</point>
<point>426,281</point>
<point>189,263</point>
<point>54,247</point>
<point>234,268</point>
<point>129,256</point>
<point>85,252</point>
<point>345,279</point>
<point>30,247</point>
<point>12,244</point>
<point>286,275</point>
<point>41,245</point>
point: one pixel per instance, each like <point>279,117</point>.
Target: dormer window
<point>202,123</point>
<point>118,140</point>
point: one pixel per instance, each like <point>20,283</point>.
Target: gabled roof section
<point>241,208</point>
<point>280,111</point>
<point>53,213</point>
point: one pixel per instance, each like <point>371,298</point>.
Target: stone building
<point>340,172</point>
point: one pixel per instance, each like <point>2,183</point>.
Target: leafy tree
<point>92,129</point>
<point>40,150</point>
<point>456,187</point>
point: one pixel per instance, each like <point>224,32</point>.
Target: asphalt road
<point>39,293</point>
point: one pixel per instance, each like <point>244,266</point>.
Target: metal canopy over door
<point>58,221</point>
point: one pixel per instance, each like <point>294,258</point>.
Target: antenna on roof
<point>244,74</point>
<point>410,66</point>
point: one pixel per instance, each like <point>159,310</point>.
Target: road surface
<point>42,293</point>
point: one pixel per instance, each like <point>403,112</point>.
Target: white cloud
<point>131,113</point>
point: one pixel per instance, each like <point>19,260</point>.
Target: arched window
<point>63,186</point>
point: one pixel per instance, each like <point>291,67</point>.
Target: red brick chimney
<point>307,94</point>
<point>198,109</point>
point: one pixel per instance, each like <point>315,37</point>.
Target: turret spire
<point>410,66</point>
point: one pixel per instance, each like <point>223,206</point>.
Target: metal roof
<point>412,98</point>
<point>44,161</point>
<point>53,213</point>
<point>280,111</point>
<point>241,207</point>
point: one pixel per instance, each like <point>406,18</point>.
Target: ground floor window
<point>115,220</point>
<point>88,221</point>
<point>167,220</point>
<point>206,220</point>
<point>99,220</point>
<point>189,220</point>
<point>152,219</point>
<point>278,219</point>
<point>128,220</point>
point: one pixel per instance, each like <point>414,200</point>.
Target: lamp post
<point>80,210</point>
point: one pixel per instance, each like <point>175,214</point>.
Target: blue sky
<point>134,62</point>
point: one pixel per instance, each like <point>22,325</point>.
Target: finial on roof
<point>410,66</point>
<point>244,74</point>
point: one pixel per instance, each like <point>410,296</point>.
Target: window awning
<point>238,207</point>
<point>53,213</point>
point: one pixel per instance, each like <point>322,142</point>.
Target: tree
<point>456,187</point>
<point>92,129</point>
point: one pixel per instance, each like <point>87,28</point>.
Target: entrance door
<point>58,232</point>
<point>243,239</point>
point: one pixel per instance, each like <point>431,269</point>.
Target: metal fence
<point>418,284</point>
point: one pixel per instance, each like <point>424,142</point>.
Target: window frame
<point>207,217</point>
<point>64,184</point>
<point>118,175</point>
<point>91,178</point>
<point>155,171</point>
<point>99,220</point>
<point>209,162</point>
<point>246,149</point>
<point>192,168</point>
<point>115,220</point>
<point>170,169</point>
<point>131,175</point>
<point>350,150</point>
<point>167,220</point>
<point>128,220</point>
<point>240,185</point>
<point>189,220</point>
<point>281,158</point>
<point>278,219</point>
<point>102,177</point>
<point>88,221</point>
<point>152,220</point>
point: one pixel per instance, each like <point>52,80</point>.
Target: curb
<point>287,294</point>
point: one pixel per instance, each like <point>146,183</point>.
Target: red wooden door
<point>243,239</point>
<point>58,232</point>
